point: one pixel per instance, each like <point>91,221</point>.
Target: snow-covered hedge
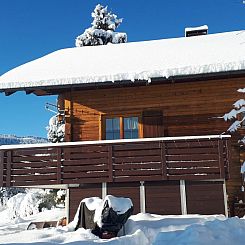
<point>32,201</point>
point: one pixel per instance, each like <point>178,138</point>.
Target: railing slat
<point>163,161</point>
<point>110,162</point>
<point>59,160</point>
<point>8,172</point>
<point>221,159</point>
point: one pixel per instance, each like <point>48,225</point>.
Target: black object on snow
<point>85,218</point>
<point>111,221</point>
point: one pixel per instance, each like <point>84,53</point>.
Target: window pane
<point>135,134</point>
<point>116,123</point>
<point>126,122</point>
<point>112,128</point>
<point>127,135</point>
<point>109,124</point>
<point>116,135</point>
<point>134,123</point>
<point>109,136</point>
<point>130,127</point>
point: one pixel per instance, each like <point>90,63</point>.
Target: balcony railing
<point>178,158</point>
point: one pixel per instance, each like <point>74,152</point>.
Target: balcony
<point>150,159</point>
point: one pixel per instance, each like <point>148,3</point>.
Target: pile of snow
<point>143,229</point>
<point>119,204</point>
<point>29,201</point>
<point>131,61</point>
<point>23,204</point>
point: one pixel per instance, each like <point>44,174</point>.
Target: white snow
<point>93,202</point>
<point>119,204</point>
<point>143,229</point>
<point>130,61</point>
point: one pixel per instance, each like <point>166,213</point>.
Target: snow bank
<point>143,229</point>
<point>230,231</point>
<point>131,61</point>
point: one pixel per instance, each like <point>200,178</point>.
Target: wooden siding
<point>163,197</point>
<point>205,197</point>
<point>131,190</point>
<point>76,195</point>
<point>116,161</point>
<point>189,108</point>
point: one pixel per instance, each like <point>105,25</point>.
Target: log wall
<point>189,108</point>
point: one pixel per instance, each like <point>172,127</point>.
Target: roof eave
<point>57,89</point>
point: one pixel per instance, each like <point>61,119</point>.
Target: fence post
<point>1,167</point>
<point>142,197</point>
<point>183,197</point>
<point>163,160</point>
<point>221,159</point>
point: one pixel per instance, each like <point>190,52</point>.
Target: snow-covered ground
<point>141,229</point>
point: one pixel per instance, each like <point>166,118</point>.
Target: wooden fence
<point>189,158</point>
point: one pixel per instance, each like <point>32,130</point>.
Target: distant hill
<point>9,139</point>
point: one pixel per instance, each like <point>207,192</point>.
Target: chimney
<point>196,31</point>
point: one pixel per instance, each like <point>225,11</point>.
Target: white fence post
<point>183,197</point>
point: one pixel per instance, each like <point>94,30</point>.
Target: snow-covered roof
<point>145,60</point>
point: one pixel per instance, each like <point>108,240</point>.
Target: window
<point>112,128</point>
<point>121,128</point>
<point>130,127</point>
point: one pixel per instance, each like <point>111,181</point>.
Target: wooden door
<point>153,124</point>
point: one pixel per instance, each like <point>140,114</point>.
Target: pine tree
<point>103,29</point>
<point>56,130</point>
<point>237,115</point>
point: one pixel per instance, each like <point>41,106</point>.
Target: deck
<point>151,159</point>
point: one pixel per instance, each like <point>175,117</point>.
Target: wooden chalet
<point>142,120</point>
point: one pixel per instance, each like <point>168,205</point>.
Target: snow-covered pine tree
<point>102,30</point>
<point>237,115</point>
<point>56,130</point>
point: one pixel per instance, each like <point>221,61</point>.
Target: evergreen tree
<point>56,130</point>
<point>237,115</point>
<point>103,29</point>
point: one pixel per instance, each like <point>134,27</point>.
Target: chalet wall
<point>190,108</point>
<point>161,197</point>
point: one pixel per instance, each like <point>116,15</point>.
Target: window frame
<point>121,123</point>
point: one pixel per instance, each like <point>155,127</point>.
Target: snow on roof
<point>131,61</point>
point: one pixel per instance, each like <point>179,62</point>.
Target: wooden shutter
<point>153,124</point>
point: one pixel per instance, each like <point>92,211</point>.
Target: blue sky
<point>30,29</point>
